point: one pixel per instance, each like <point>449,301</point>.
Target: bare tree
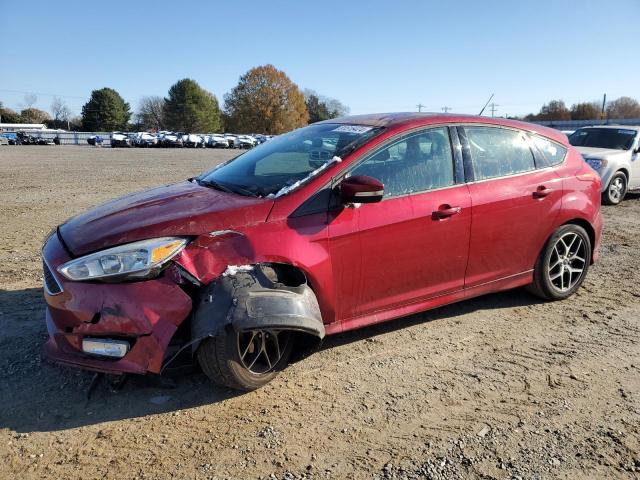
<point>151,112</point>
<point>585,111</point>
<point>30,100</point>
<point>60,111</point>
<point>336,107</point>
<point>623,107</point>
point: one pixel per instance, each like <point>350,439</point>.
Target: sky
<point>374,56</point>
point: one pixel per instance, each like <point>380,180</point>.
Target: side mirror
<point>361,189</point>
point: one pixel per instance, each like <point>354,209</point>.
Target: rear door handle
<point>542,192</point>
<point>445,211</point>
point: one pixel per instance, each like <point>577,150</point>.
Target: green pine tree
<point>105,111</point>
<point>190,108</point>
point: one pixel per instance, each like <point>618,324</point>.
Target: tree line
<point>623,107</point>
<point>265,100</point>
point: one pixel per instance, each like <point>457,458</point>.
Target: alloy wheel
<point>616,189</point>
<point>261,350</point>
<point>567,261</point>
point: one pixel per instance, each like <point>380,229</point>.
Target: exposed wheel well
<point>304,343</point>
<point>588,228</point>
<point>275,295</point>
<point>285,273</point>
<point>625,172</point>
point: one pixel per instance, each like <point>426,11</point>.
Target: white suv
<point>614,152</point>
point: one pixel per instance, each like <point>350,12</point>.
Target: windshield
<point>286,161</point>
<point>613,138</point>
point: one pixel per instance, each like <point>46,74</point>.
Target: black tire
<point>220,359</point>
<point>554,262</point>
<point>616,190</point>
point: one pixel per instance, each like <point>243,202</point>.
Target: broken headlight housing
<point>130,261</point>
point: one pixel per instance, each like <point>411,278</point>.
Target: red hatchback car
<point>332,227</point>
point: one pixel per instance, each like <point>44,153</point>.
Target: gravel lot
<point>497,387</point>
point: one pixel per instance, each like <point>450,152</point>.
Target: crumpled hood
<point>181,209</point>
<point>600,153</point>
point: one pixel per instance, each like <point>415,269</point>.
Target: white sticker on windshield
<point>627,132</point>
<point>352,129</point>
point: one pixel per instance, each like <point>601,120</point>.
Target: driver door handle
<point>445,211</point>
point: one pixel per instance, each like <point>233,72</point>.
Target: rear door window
<point>499,152</point>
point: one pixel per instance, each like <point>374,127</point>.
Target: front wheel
<point>562,264</point>
<point>245,360</point>
<point>616,190</point>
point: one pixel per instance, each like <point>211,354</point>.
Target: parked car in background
<point>614,152</point>
<point>245,141</point>
<point>217,141</point>
<point>11,137</point>
<point>44,141</point>
<point>172,139</point>
<point>192,140</point>
<point>145,140</point>
<point>231,140</point>
<point>120,139</point>
<point>260,139</point>
<point>4,140</point>
<point>23,138</point>
<point>267,253</point>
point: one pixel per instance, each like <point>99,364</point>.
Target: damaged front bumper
<point>144,314</point>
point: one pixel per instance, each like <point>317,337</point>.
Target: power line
<point>41,93</point>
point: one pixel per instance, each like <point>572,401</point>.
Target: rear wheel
<point>562,264</point>
<point>616,189</point>
<point>245,360</point>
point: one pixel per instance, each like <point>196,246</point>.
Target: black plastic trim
<point>458,165</point>
<point>317,203</point>
<point>466,155</point>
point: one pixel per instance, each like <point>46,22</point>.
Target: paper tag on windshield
<point>352,129</point>
<point>627,132</point>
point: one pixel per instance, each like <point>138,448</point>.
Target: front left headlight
<point>129,261</point>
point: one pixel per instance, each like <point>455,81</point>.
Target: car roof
<point>415,119</point>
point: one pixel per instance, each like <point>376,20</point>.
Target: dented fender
<point>207,256</point>
<point>256,299</point>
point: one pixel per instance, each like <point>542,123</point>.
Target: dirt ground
<point>501,387</point>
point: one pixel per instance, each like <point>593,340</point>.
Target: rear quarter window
<point>552,152</point>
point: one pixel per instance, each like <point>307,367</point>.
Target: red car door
<point>514,204</point>
<point>413,244</point>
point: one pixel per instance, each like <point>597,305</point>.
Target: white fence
<point>575,124</point>
<point>73,138</point>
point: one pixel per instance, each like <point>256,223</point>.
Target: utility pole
<point>604,103</point>
<point>493,108</point>
<point>420,107</point>
<point>446,109</point>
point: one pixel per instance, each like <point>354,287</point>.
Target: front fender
<point>253,297</point>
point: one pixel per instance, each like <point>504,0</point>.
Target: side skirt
<point>507,283</point>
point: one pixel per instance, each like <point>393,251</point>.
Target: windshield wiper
<point>226,188</point>
<point>245,191</point>
<point>214,184</point>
